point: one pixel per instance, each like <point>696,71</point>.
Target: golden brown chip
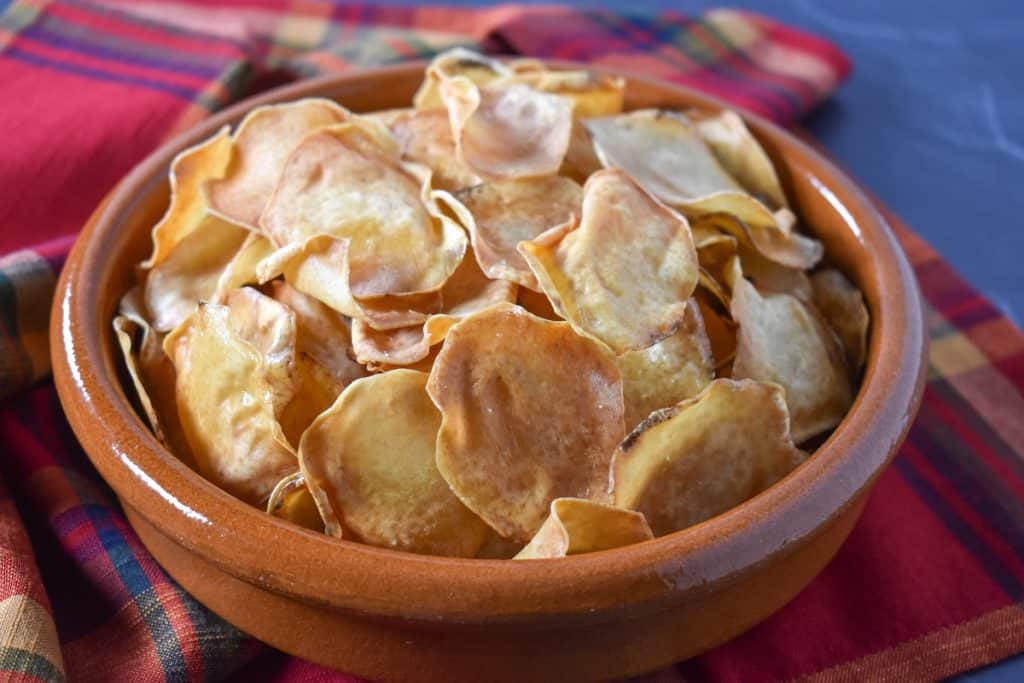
<point>624,274</point>
<point>507,130</point>
<point>241,269</point>
<point>260,147</point>
<point>270,328</point>
<point>664,374</point>
<point>457,61</point>
<point>316,389</point>
<point>369,461</point>
<point>319,268</point>
<point>321,333</point>
<point>742,156</point>
<point>720,329</point>
<point>577,526</point>
<point>753,225</point>
<point>425,136</point>
<point>344,183</point>
<point>690,462</point>
<point>226,406</point>
<point>468,290</point>
<point>291,500</point>
<point>842,304</point>
<point>782,340</point>
<point>662,151</point>
<point>502,214</point>
<point>531,412</point>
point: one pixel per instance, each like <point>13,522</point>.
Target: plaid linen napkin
<point>930,583</point>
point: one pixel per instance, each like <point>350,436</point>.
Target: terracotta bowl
<point>390,615</point>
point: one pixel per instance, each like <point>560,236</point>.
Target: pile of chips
<point>509,321</point>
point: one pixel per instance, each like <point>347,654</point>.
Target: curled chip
<point>842,304</point>
<point>752,224</point>
<point>531,412</point>
<point>369,461</point>
<point>624,274</point>
<point>319,268</point>
<point>506,129</point>
<point>191,246</point>
<point>226,407</point>
<point>662,151</point>
<point>291,500</point>
<point>468,290</point>
<point>690,462</point>
<point>241,270</point>
<point>260,146</point>
<point>270,328</point>
<point>769,276</point>
<point>576,526</point>
<point>457,61</point>
<point>502,214</point>
<point>784,341</point>
<point>345,183</point>
<point>424,136</point>
<point>675,368</point>
<point>742,156</point>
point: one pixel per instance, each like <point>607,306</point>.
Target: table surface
<point>932,122</point>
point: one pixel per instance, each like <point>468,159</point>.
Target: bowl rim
<point>351,576</point>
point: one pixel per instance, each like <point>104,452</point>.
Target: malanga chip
<point>531,412</point>
<point>270,327</point>
<point>842,304</point>
<point>502,214</point>
<point>457,61</point>
<point>624,274</point>
<point>425,136</point>
<point>291,500</point>
<point>664,374</point>
<point>369,461</point>
<point>344,182</point>
<point>742,156</point>
<point>783,340</point>
<point>662,151</point>
<point>467,291</point>
<point>576,526</point>
<point>260,147</point>
<point>506,129</point>
<point>697,459</point>
<point>226,407</point>
<point>241,270</point>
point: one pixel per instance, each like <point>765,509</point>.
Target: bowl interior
<point>235,537</point>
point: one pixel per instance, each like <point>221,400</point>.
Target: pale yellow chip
<point>531,412</point>
<point>260,146</point>
<point>226,407</point>
<point>782,340</point>
<point>502,214</point>
<point>843,306</point>
<point>467,291</point>
<point>343,182</point>
<point>292,500</point>
<point>662,151</point>
<point>507,130</point>
<point>690,462</point>
<point>577,526</point>
<point>321,332</point>
<point>369,461</point>
<point>742,156</point>
<point>754,225</point>
<point>592,94</point>
<point>624,274</point>
<point>151,373</point>
<point>425,136</point>
<point>664,374</point>
<point>241,269</point>
<point>191,246</point>
<point>270,328</point>
<point>319,268</point>
<point>457,61</point>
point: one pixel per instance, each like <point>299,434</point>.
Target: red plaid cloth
<point>929,584</point>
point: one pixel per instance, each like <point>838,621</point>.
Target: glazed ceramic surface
<point>389,615</point>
